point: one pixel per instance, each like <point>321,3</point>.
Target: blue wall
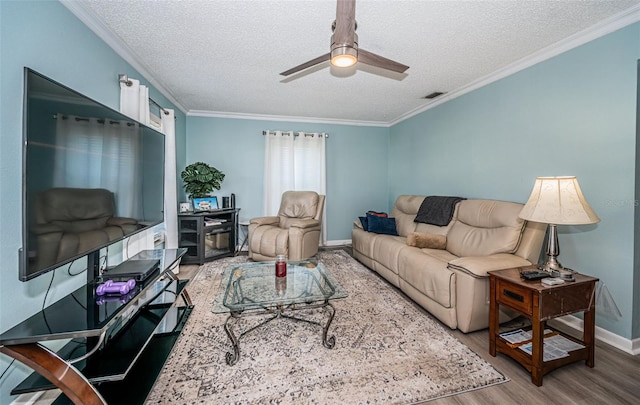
<point>574,114</point>
<point>46,37</point>
<point>356,165</point>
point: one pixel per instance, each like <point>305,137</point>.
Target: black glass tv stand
<point>115,340</point>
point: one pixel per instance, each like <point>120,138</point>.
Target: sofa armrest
<point>478,266</point>
<point>265,221</point>
<point>304,223</point>
<point>357,224</point>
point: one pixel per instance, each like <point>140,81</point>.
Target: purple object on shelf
<point>121,299</point>
<point>115,287</point>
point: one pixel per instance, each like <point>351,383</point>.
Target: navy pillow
<point>381,225</point>
<point>365,223</point>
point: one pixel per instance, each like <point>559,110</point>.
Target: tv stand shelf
<point>120,329</point>
<point>208,235</point>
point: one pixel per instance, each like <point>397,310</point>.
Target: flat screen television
<point>91,176</point>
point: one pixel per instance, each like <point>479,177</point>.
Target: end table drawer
<point>514,296</point>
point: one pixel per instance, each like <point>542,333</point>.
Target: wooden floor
<point>614,380</point>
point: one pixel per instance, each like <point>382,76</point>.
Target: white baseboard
<point>338,242</point>
<point>626,345</point>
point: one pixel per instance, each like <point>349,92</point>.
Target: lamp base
<point>552,265</point>
<point>556,270</point>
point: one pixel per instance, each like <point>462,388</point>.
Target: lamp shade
<point>558,200</point>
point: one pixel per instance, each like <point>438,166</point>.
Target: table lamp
<point>557,201</point>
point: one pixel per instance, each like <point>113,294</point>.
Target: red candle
<point>281,266</point>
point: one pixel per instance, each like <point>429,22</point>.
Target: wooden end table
<point>539,303</point>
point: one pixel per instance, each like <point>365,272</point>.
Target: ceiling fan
<point>344,45</point>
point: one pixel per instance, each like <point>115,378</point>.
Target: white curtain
<point>134,102</point>
<point>167,118</point>
<point>278,169</point>
<point>294,161</point>
<point>99,153</point>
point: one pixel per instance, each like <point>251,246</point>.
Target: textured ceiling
<point>224,57</point>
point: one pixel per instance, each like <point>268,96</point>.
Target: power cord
<point>44,301</point>
<point>53,275</point>
<point>7,369</point>
<point>74,274</point>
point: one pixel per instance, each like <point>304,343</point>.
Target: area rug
<point>387,351</point>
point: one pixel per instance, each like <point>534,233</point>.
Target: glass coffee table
<point>252,289</point>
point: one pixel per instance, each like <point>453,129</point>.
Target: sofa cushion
<point>485,227</point>
<point>363,241</point>
<point>426,240</point>
<point>386,250</point>
<point>364,223</point>
<point>270,240</point>
<point>382,225</point>
<point>80,226</point>
<point>438,230</point>
<point>428,273</point>
<point>404,211</point>
<point>378,214</point>
<point>298,205</point>
<point>74,204</point>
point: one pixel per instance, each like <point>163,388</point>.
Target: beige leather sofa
<point>294,232</point>
<point>71,220</point>
<point>452,283</point>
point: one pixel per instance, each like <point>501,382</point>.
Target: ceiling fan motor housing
<point>344,53</point>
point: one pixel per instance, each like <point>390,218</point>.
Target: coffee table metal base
<point>277,312</point>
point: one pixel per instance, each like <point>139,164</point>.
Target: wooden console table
<point>539,303</point>
<point>110,337</point>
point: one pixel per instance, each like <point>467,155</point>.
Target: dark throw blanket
<point>437,210</point>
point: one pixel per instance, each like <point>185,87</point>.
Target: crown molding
<point>89,19</point>
<point>607,26</point>
<point>265,117</point>
<point>604,27</point>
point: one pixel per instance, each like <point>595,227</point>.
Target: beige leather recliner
<point>294,232</point>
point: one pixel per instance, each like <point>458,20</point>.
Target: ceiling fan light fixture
<point>344,56</point>
<point>344,50</point>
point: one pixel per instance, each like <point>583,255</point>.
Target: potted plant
<point>200,179</point>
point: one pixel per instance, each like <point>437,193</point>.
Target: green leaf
<point>201,179</point>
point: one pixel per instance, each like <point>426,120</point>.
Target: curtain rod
<point>159,106</point>
<point>99,120</point>
<point>296,133</point>
<point>123,78</point>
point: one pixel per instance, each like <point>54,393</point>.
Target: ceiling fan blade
<point>345,22</point>
<point>379,61</point>
<point>308,64</point>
